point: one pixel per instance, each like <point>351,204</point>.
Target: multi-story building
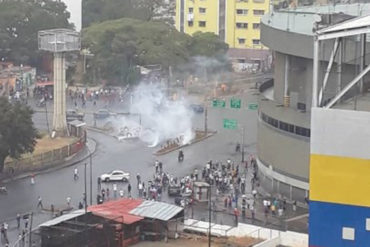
<point>237,22</point>
<point>284,126</point>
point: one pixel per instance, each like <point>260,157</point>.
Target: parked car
<point>174,190</point>
<point>197,108</point>
<point>74,115</point>
<point>116,175</point>
<point>103,113</point>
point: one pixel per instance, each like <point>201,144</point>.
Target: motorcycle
<point>181,156</point>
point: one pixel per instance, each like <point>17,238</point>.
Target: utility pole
<point>209,215</point>
<point>169,80</point>
<point>243,130</point>
<point>30,230</point>
<point>90,176</point>
<point>84,198</point>
<point>206,120</point>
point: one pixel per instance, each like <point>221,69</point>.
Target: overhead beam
<point>315,68</point>
<point>328,69</point>
<point>348,87</point>
<point>362,61</point>
<point>345,33</point>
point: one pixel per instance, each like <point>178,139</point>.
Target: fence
<point>43,160</point>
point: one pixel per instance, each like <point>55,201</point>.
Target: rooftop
<point>156,210</point>
<point>118,210</point>
<point>301,19</point>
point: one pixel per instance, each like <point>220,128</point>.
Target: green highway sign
<point>235,103</point>
<point>230,123</point>
<point>252,106</point>
<point>218,103</point>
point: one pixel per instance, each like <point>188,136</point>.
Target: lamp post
<point>90,157</point>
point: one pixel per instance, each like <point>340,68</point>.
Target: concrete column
<point>339,66</point>
<point>59,117</point>
<point>286,82</point>
<point>362,61</point>
<point>315,69</point>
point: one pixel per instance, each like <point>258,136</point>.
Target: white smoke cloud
<point>162,119</point>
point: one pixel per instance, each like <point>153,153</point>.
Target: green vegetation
<point>95,11</point>
<point>119,45</point>
<point>17,132</point>
<point>19,23</point>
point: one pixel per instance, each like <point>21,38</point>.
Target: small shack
<point>77,229</point>
<point>128,226</point>
<point>161,220</point>
<point>76,128</point>
<point>117,223</point>
<point>201,191</point>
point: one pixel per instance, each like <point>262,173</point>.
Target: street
<point>131,156</point>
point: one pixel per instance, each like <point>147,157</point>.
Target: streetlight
<point>90,157</point>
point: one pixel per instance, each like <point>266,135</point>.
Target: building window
<point>286,127</point>
<point>190,23</point>
<point>202,23</point>
<point>256,42</point>
<point>258,12</point>
<point>241,25</point>
<point>191,10</point>
<point>256,26</point>
<point>242,1</point>
<point>241,41</point>
<point>258,1</point>
<point>202,10</point>
<point>242,12</point>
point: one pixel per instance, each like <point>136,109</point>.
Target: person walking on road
<point>99,183</point>
<point>32,179</point>
<point>39,203</point>
<point>107,193</point>
<point>115,191</point>
<point>236,215</point>
<point>18,221</point>
<point>68,202</point>
<point>129,190</point>
<point>75,175</point>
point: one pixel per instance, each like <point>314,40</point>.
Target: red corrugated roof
<point>118,210</point>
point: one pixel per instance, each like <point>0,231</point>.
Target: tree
<point>208,45</point>
<point>17,132</point>
<point>19,23</point>
<point>95,11</point>
<point>119,45</point>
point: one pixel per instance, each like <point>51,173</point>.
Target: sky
<point>74,7</point>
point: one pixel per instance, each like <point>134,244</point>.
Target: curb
<point>59,165</point>
<point>211,133</point>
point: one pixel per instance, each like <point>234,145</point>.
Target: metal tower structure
<point>59,41</point>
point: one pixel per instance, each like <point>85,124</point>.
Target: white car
<point>116,175</point>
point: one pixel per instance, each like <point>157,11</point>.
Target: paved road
<point>132,156</point>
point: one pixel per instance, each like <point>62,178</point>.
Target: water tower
<point>59,41</point>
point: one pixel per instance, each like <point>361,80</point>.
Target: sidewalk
<point>42,215</point>
<point>70,161</point>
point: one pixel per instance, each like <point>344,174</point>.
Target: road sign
<point>230,123</point>
<point>252,106</point>
<point>218,103</point>
<point>235,103</point>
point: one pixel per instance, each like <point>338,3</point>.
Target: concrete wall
<point>286,153</point>
<point>269,243</point>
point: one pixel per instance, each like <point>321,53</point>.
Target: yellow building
<point>237,22</point>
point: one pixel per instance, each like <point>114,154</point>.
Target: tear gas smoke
<point>162,119</point>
